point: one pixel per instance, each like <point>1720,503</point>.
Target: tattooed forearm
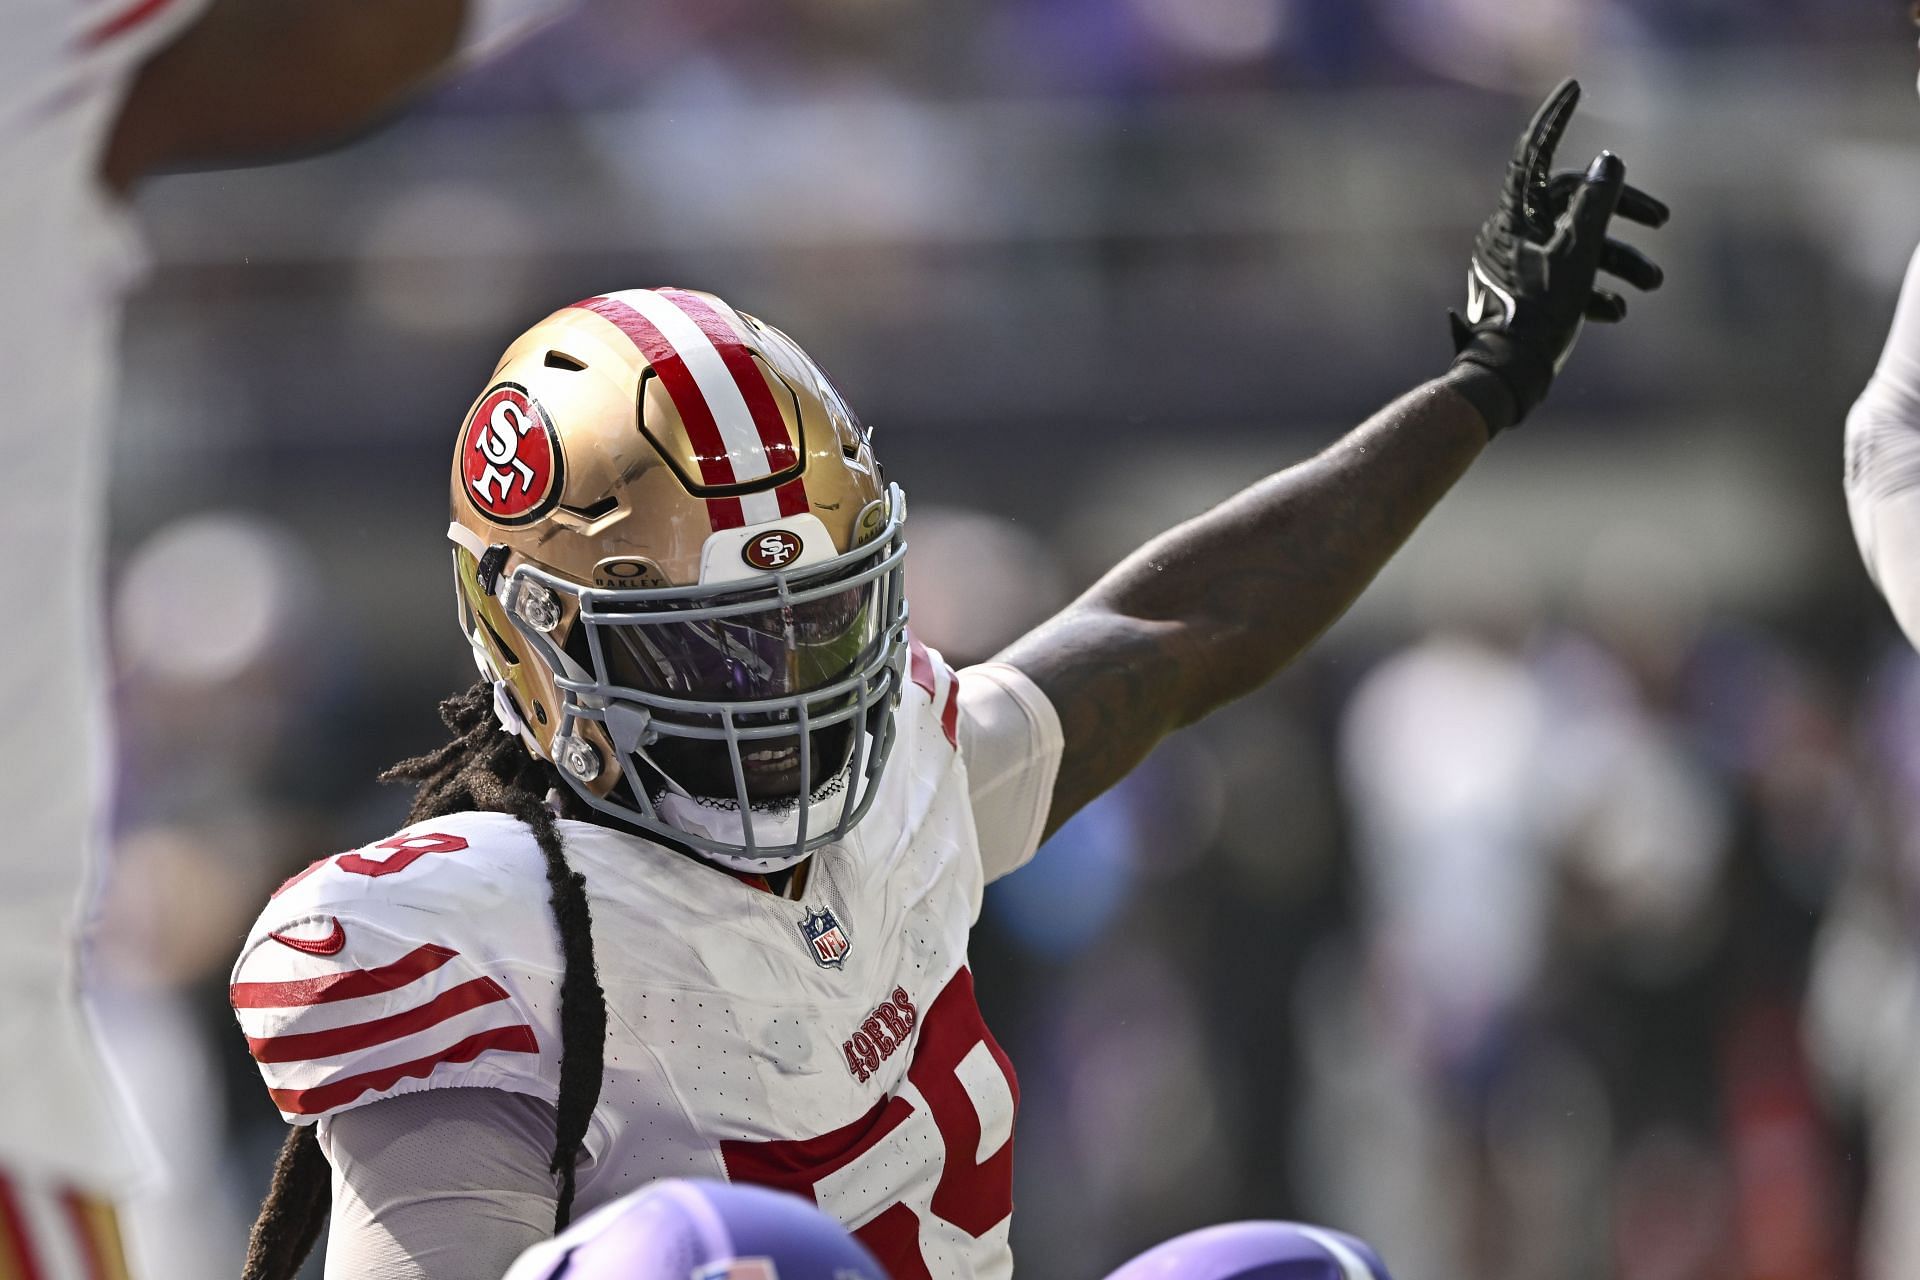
<point>1210,610</point>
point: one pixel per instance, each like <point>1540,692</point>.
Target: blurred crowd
<point>1127,48</point>
<point>1552,919</point>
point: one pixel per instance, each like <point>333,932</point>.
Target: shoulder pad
<point>458,863</point>
<point>423,962</point>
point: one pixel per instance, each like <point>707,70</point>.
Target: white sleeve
<point>1010,738</point>
<point>1883,464</point>
<point>448,1185</point>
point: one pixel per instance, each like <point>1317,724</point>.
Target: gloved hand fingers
<point>1534,154</point>
<point>1635,204</point>
<point>1606,308</point>
<point>1593,207</point>
<point>1632,266</point>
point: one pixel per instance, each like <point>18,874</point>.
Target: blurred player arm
<point>1213,609</point>
<point>257,80</point>
<point>448,1184</point>
<point>1883,464</point>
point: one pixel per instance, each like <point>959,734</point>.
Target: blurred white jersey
<point>1883,463</point>
<point>829,1046</point>
<point>67,257</point>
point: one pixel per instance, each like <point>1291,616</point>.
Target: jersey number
<point>407,850</point>
<point>971,1095</point>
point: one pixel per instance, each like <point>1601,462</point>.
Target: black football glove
<point>1535,261</point>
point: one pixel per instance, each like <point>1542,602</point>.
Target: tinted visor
<point>768,652</point>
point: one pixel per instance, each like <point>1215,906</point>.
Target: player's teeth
<point>767,757</point>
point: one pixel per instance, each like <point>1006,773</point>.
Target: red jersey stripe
<point>709,448</point>
<point>894,1238</point>
<point>919,663</point>
<point>772,428</point>
<point>797,1165</point>
<point>920,667</point>
<point>323,1098</point>
<point>349,985</point>
<point>16,1244</point>
<point>377,1031</point>
<point>127,19</point>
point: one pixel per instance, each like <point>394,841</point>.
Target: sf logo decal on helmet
<point>773,550</point>
<point>510,456</point>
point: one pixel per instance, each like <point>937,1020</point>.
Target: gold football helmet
<point>681,567</point>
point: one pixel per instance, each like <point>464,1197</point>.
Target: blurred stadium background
<point>1555,918</point>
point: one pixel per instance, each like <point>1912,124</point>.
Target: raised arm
<point>1214,608</point>
<point>258,80</point>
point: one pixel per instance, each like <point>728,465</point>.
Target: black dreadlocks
<point>483,769</point>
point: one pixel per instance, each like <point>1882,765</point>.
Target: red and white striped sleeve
<point>415,964</point>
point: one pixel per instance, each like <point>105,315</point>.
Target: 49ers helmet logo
<point>775,549</point>
<point>510,456</point>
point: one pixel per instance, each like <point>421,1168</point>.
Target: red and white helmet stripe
<point>710,373</point>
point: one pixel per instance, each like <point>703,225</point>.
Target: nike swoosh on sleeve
<point>330,945</point>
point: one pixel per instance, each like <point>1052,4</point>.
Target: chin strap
<point>505,712</point>
<point>630,730</point>
<point>666,777</point>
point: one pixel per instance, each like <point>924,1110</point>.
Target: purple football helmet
<point>681,1229</point>
<point>1258,1251</point>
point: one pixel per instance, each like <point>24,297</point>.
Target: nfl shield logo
<point>828,940</point>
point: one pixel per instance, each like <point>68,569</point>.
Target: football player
<point>688,891</point>
<point>699,1229</point>
<point>1883,460</point>
<point>1883,500</point>
<point>94,94</point>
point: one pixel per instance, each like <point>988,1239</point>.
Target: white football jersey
<point>1883,463</point>
<point>67,257</point>
<point>829,1046</point>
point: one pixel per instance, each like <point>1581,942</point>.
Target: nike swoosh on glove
<point>1532,283</point>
